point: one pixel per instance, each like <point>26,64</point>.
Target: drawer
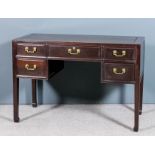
<point>119,53</point>
<point>37,68</point>
<point>118,72</point>
<point>27,49</point>
<point>75,52</point>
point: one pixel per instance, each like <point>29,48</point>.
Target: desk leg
<point>141,95</point>
<point>137,104</point>
<point>16,99</point>
<point>34,92</point>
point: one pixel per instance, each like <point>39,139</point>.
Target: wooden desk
<point>40,56</point>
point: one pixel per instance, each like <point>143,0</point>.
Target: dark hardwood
<point>118,72</point>
<point>137,98</point>
<point>15,86</point>
<point>141,94</point>
<point>41,56</point>
<point>31,50</point>
<point>32,67</point>
<point>116,53</point>
<point>34,93</point>
<point>37,68</point>
<point>75,52</point>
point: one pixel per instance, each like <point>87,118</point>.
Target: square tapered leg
<point>141,95</point>
<point>16,99</point>
<point>34,93</point>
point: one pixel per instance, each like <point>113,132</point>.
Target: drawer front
<point>119,53</point>
<point>32,67</point>
<point>31,50</point>
<point>70,52</point>
<point>118,72</point>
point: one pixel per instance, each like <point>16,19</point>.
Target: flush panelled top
<point>80,39</point>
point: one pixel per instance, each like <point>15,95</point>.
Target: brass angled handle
<point>27,67</point>
<point>34,50</point>
<point>115,71</point>
<point>73,51</point>
<point>115,53</point>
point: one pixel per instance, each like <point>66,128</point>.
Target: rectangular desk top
<point>80,39</point>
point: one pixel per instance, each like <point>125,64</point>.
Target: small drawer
<point>118,72</point>
<point>30,68</point>
<point>119,53</point>
<point>25,49</point>
<point>75,52</point>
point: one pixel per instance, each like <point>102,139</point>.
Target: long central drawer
<point>75,52</point>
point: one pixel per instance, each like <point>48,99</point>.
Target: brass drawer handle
<point>115,53</point>
<point>73,51</point>
<point>31,52</point>
<point>27,67</point>
<point>115,71</point>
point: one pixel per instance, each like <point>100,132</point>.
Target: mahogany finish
<point>34,68</point>
<point>34,93</point>
<point>41,56</point>
<point>40,50</point>
<point>86,52</point>
<point>109,53</point>
<point>108,75</point>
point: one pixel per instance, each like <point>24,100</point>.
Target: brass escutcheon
<point>33,51</point>
<point>115,71</point>
<point>27,67</point>
<point>115,53</point>
<point>73,51</point>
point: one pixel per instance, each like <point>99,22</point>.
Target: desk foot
<point>34,105</point>
<point>140,112</point>
<point>135,129</point>
<point>16,120</point>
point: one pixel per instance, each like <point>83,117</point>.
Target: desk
<point>41,56</point>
